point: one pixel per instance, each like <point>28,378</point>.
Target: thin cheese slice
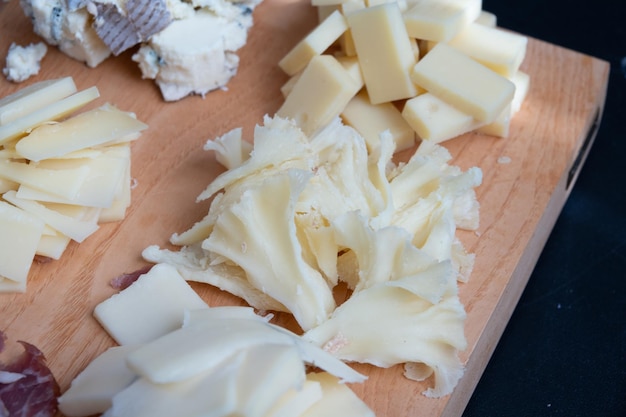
<point>92,391</point>
<point>62,182</point>
<point>384,51</point>
<point>315,43</point>
<point>151,307</point>
<point>35,96</point>
<point>52,246</point>
<point>99,189</point>
<point>76,229</point>
<point>92,128</point>
<point>19,238</point>
<point>463,83</point>
<point>54,111</point>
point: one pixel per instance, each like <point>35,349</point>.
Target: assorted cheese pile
<point>61,173</point>
<point>304,216</point>
<point>177,356</point>
<point>434,69</point>
<point>186,46</point>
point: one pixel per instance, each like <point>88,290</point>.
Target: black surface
<point>563,352</point>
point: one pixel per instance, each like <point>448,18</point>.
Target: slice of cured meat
<point>27,386</point>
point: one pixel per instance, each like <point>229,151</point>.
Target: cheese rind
<point>463,83</point>
<point>315,43</point>
<point>319,95</point>
<point>384,52</point>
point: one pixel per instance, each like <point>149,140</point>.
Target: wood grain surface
<point>520,200</point>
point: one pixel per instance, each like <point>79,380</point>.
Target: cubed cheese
<point>435,120</point>
<point>495,48</point>
<point>320,94</point>
<point>384,51</point>
<point>463,83</point>
<point>370,120</point>
<point>315,43</point>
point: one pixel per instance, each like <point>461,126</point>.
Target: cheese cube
<point>92,128</point>
<point>463,83</point>
<point>435,120</point>
<point>487,18</point>
<point>320,94</point>
<point>440,20</point>
<point>151,307</point>
<point>20,236</point>
<point>500,50</point>
<point>351,64</point>
<point>370,120</point>
<point>315,43</point>
<point>384,51</point>
<point>522,85</point>
<point>54,111</point>
<point>34,97</point>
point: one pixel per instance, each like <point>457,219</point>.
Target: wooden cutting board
<point>520,199</point>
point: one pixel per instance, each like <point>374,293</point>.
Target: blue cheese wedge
<point>187,46</point>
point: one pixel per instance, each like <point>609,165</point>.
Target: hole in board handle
<point>576,165</point>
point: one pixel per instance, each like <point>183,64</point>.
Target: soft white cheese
<point>22,62</point>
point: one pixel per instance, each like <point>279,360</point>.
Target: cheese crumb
<point>22,62</point>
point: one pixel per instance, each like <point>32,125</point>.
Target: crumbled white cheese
<point>22,62</point>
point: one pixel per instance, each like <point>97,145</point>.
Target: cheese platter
<point>526,180</point>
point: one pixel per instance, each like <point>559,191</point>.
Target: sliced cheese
<point>384,51</point>
<point>370,120</point>
<point>8,285</point>
<point>151,307</point>
<point>74,228</point>
<point>62,182</point>
<point>315,43</point>
<point>463,83</point>
<point>337,399</point>
<point>92,391</point>
<point>35,96</point>
<point>52,246</point>
<point>296,402</point>
<point>92,128</point>
<point>435,120</point>
<point>319,95</point>
<point>502,51</point>
<point>99,189</point>
<point>54,111</point>
<point>21,232</point>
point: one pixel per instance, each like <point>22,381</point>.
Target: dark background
<point>563,352</point>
